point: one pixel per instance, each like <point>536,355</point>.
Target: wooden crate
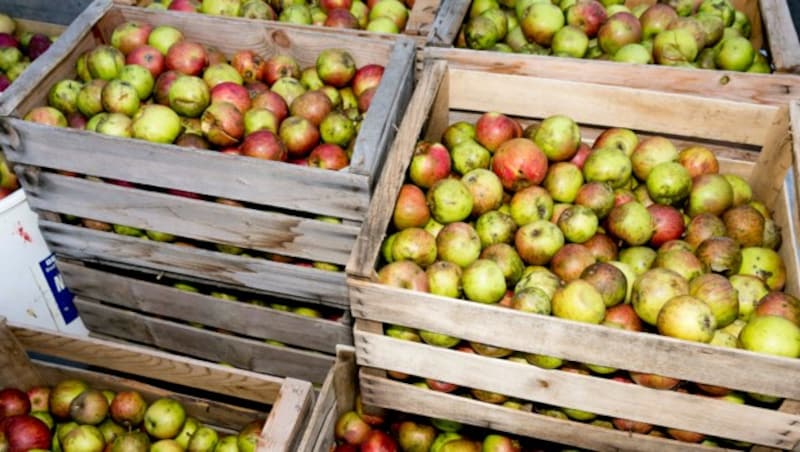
<point>772,25</point>
<point>131,306</point>
<point>448,93</point>
<point>290,399</point>
<point>287,198</point>
<point>336,397</point>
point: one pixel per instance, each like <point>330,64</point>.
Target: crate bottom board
<point>140,292</point>
<point>272,278</point>
<point>204,344</point>
<point>395,395</point>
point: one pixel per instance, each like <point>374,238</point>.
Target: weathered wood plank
<point>404,397</point>
<point>765,88</point>
<point>33,26</point>
<point>575,341</point>
<point>240,317</point>
<point>249,228</point>
<point>775,159</point>
<point>210,412</point>
<point>421,17</point>
<point>62,12</point>
<point>276,184</point>
<point>602,396</point>
<point>385,113</point>
<point>784,45</point>
<point>14,363</point>
<point>373,230</point>
<point>205,344</point>
<point>154,364</point>
<point>794,115</point>
<point>633,108</point>
<point>287,418</point>
<point>336,397</point>
<point>284,280</point>
<point>448,22</point>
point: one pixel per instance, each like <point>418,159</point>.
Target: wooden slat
<point>202,343</point>
<point>764,88</point>
<point>784,45</point>
<point>209,173</point>
<point>448,21</point>
<point>196,219</point>
<point>787,215</point>
<point>404,397</point>
<point>794,115</point>
<point>14,363</point>
<point>62,12</point>
<point>380,124</point>
<point>368,243</point>
<point>283,429</point>
<point>207,411</point>
<point>336,397</point>
<point>775,159</point>
<point>421,17</point>
<point>240,317</point>
<point>285,280</point>
<point>152,364</point>
<point>34,26</point>
<point>632,108</point>
<point>601,396</point>
<point>576,341</point>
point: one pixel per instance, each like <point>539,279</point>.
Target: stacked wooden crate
<point>446,94</point>
<point>282,220</point>
<point>285,403</point>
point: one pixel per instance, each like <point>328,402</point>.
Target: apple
<point>405,275</point>
<point>653,289</point>
<point>415,437</point>
<point>272,102</point>
<point>90,407</point>
<point>620,29</point>
<point>83,438</point>
<point>222,124</point>
<point>772,335</point>
<point>538,241</point>
<point>13,402</point>
<point>588,15</point>
<point>164,418</point>
<point>233,93</point>
<point>429,164</point>
<point>62,395</point>
<point>265,145</point>
<point>449,201</point>
<point>128,408</point>
<point>203,439</point>
<point>351,429</point>
<point>410,208</point>
<point>188,95</point>
<point>156,123</point>
<point>39,398</point>
<point>23,432</point>
<point>519,163</point>
<point>128,36</point>
<point>139,78</point>
<point>541,21</point>
<point>483,281</point>
<point>336,67</point>
<point>89,100</point>
<point>493,129</point>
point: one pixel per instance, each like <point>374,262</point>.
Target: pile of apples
<point>356,431</point>
<point>383,16</point>
<point>705,34</point>
<point>154,85</point>
<point>74,417</point>
<point>629,233</point>
<point>17,50</point>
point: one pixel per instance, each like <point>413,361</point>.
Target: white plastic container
<point>32,291</point>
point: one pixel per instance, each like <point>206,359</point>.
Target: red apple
<point>162,86</point>
<point>147,57</point>
<point>351,429</point>
<point>588,15</point>
<point>189,6</point>
<point>365,99</point>
<point>405,275</point>
<point>519,163</point>
<point>130,35</point>
<point>279,66</point>
<point>378,441</point>
<point>273,102</point>
<point>13,402</point>
<point>299,135</point>
<point>186,57</point>
<point>329,5</point>
<point>264,145</point>
<point>128,408</point>
<point>313,106</point>
<point>780,304</point>
<point>654,381</point>
<point>625,316</point>
<point>233,93</point>
<point>580,156</point>
<point>24,432</point>
<point>669,224</point>
<point>328,156</point>
<point>367,77</point>
<point>249,65</point>
<point>430,163</point>
<point>341,18</point>
<point>223,124</point>
<point>494,129</point>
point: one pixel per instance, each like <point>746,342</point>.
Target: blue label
<point>60,292</point>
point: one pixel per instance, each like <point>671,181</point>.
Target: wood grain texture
<point>588,103</point>
<point>404,397</point>
<point>385,113</point>
<point>207,221</point>
<point>448,22</point>
<point>286,420</point>
<point>210,173</point>
<point>575,341</point>
<point>784,45</point>
<point>154,364</point>
<point>15,366</point>
<point>285,280</point>
<point>601,396</point>
<point>373,230</point>
<point>763,88</point>
<point>208,411</point>
<point>205,344</point>
<point>336,396</point>
<point>243,318</point>
<point>774,160</point>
